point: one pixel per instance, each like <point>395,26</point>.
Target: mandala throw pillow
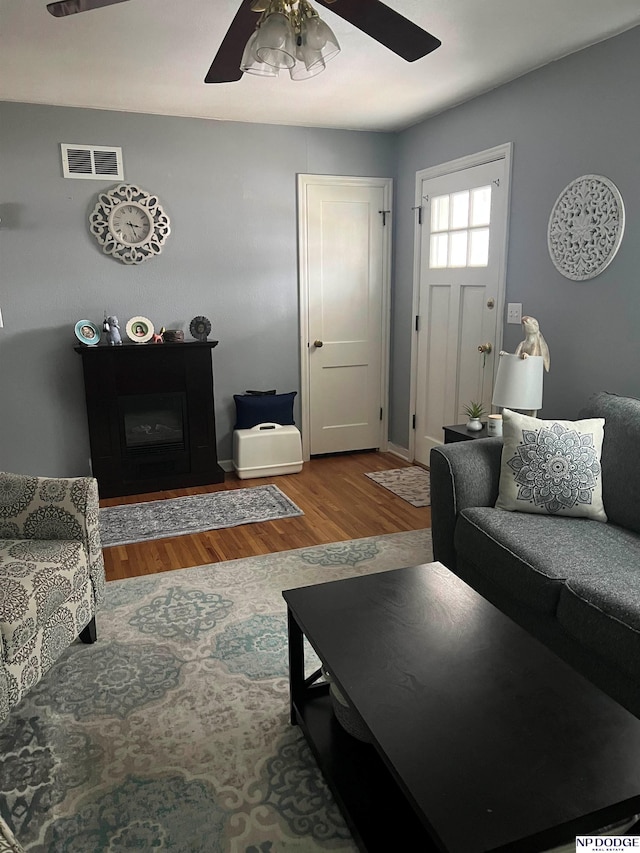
<point>551,467</point>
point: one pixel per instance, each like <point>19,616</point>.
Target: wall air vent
<point>92,162</point>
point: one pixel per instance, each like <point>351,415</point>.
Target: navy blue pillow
<point>252,409</point>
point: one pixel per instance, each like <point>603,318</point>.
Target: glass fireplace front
<point>153,422</point>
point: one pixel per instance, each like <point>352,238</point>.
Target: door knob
<point>486,348</point>
<point>318,344</point>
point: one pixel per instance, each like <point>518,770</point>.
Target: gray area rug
<point>172,731</point>
<point>412,484</point>
<point>140,522</point>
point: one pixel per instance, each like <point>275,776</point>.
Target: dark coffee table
<point>482,739</point>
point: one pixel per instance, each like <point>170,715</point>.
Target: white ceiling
<point>151,56</point>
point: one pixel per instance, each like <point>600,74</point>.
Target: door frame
<point>305,181</point>
<point>479,158</point>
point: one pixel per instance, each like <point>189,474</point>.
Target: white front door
<point>345,236</point>
<point>461,269</point>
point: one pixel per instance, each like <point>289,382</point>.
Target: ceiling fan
<point>373,17</point>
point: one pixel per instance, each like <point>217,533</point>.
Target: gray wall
<point>578,116</point>
<point>230,190</point>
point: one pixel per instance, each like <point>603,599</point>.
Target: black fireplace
<point>150,410</point>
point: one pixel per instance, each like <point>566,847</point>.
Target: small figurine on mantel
<point>112,327</point>
<point>158,337</point>
<point>534,343</point>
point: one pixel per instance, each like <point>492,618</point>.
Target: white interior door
<point>345,233</point>
<point>462,245</point>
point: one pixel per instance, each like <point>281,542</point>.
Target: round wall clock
<point>586,227</point>
<point>129,223</point>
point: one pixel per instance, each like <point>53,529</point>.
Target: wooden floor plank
<point>339,502</point>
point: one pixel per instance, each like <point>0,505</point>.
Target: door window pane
<point>458,256</point>
<point>440,213</point>
<point>438,255</point>
<point>481,206</point>
<point>479,247</point>
<point>460,209</point>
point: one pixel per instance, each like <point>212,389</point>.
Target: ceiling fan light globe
<point>318,35</point>
<point>276,58</point>
<point>250,64</point>
<point>309,57</point>
<point>261,69</point>
<point>313,32</point>
<point>301,72</point>
<point>275,41</point>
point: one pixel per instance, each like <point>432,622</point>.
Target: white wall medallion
<point>586,227</point>
<point>129,223</point>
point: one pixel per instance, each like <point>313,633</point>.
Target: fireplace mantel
<point>150,411</point>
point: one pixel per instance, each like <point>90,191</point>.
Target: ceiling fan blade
<point>69,7</point>
<point>390,28</point>
<point>225,68</point>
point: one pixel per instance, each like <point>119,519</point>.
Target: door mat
<point>141,522</point>
<point>411,484</point>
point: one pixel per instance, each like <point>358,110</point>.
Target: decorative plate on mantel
<point>200,328</point>
<point>140,329</point>
<point>87,332</point>
<point>586,227</point>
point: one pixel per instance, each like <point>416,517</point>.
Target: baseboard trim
<point>396,450</point>
<point>402,452</point>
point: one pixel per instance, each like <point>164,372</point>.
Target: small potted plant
<point>474,412</point>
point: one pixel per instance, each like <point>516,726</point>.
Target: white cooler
<point>266,450</point>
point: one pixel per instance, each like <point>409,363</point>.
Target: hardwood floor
<point>338,502</point>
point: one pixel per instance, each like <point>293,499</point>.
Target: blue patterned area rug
<point>172,732</point>
<point>140,522</point>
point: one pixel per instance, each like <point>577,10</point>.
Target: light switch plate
<point>514,312</point>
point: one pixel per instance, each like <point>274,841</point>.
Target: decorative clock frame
<point>146,205</point>
<point>586,227</point>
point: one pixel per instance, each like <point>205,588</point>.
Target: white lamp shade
<point>519,382</point>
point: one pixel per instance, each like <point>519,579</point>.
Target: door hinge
<point>384,216</point>
<point>413,424</point>
<point>418,207</point>
<point>380,412</point>
<point>417,322</point>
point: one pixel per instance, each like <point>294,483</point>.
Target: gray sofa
<point>574,583</point>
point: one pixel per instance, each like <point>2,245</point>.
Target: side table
<point>459,432</point>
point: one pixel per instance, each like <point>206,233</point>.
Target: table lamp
<point>518,383</point>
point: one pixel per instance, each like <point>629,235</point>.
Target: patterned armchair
<point>51,575</point>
